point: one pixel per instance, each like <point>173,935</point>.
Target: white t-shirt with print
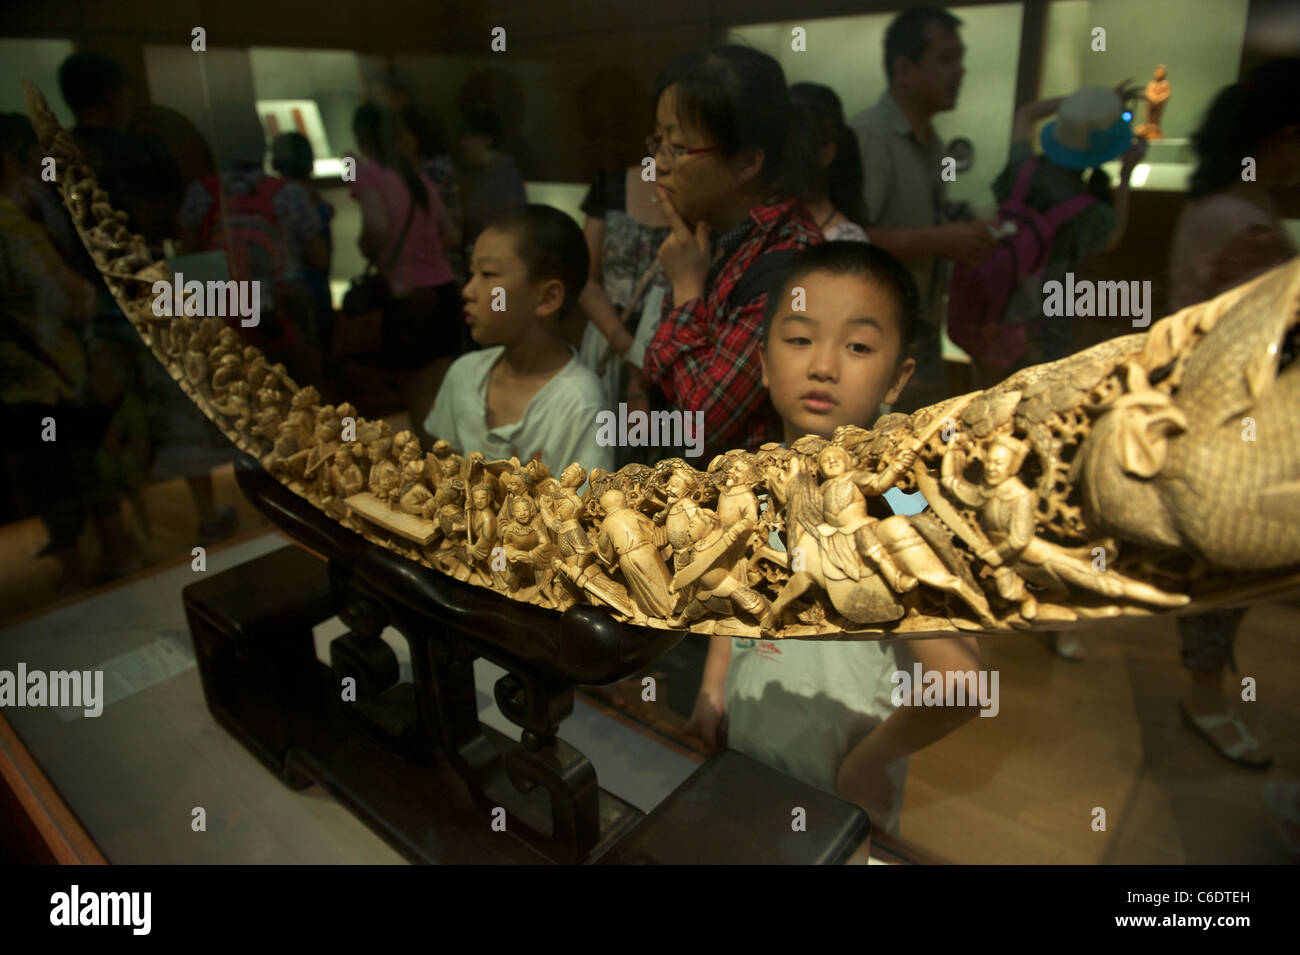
<point>800,706</point>
<point>559,422</point>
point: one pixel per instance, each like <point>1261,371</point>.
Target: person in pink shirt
<point>404,230</point>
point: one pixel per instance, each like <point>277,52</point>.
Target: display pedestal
<point>412,759</point>
<point>399,754</point>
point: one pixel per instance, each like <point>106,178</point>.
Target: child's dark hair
<point>817,118</point>
<point>851,258</point>
<point>551,246</point>
<point>292,156</point>
<point>735,94</point>
<point>905,35</point>
<point>1241,117</point>
<point>87,80</point>
<point>426,126</point>
<point>375,130</point>
<point>482,121</point>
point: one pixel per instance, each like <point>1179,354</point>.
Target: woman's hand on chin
<point>684,254</point>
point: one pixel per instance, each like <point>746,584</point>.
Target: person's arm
<point>702,365</point>
<point>909,729</point>
<point>874,484</point>
<point>594,299</point>
<point>1131,158</point>
<point>965,242</point>
<point>1022,127</point>
<point>950,479</point>
<point>711,702</point>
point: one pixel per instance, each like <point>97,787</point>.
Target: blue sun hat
<point>1091,127</point>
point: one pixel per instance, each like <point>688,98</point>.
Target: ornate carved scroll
<point>1152,473</point>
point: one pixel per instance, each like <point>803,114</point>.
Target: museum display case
<point>407,649</point>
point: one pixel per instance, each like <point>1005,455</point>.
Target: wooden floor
<point>29,583</point>
<point>1021,787</point>
<point>1017,788</point>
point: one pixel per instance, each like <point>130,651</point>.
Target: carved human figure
<point>527,550</point>
<point>228,370</point>
<point>345,479</point>
<point>850,537</point>
<point>197,369</point>
<point>385,476</point>
<point>863,597</point>
<point>325,441</point>
<point>301,417</point>
<point>449,485</point>
<point>176,343</point>
<point>715,574</point>
<point>267,422</point>
<point>227,343</point>
<point>413,496</point>
<point>258,370</point>
<point>575,561</point>
<point>235,405</point>
<point>627,541</point>
<point>737,500</point>
<point>385,480</point>
<point>683,511</point>
<point>451,515</point>
<point>1008,517</point>
<point>572,478</point>
<point>345,474</point>
<point>481,537</point>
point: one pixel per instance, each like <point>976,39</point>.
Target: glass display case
<point>1085,721</point>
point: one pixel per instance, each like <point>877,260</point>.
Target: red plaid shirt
<point>704,355</point>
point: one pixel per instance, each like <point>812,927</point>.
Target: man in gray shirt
<point>902,158</point>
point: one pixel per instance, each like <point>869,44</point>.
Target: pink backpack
<point>246,228</point>
<point>979,295</point>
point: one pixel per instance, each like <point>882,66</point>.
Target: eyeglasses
<point>656,146</point>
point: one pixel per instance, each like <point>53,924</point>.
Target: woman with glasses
<point>722,116</point>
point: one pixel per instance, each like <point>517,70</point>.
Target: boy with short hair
<point>821,710</point>
<point>524,394</point>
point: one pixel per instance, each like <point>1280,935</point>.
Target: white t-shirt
<point>800,706</point>
<point>846,231</point>
<point>559,421</point>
